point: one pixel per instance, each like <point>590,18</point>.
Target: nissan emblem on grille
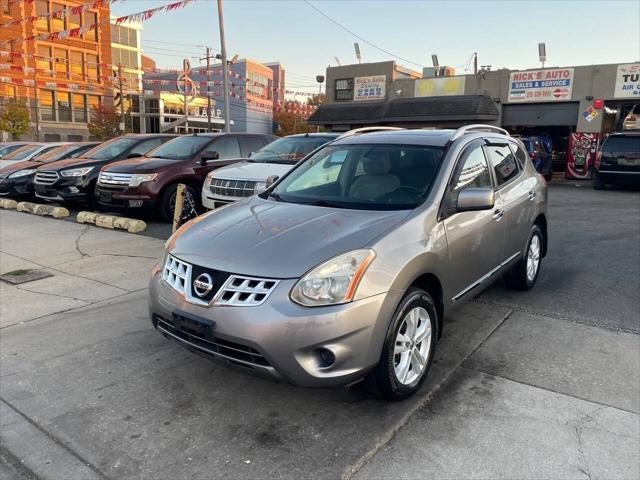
<point>203,285</point>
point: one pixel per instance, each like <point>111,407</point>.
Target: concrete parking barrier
<point>8,203</point>
<point>131,225</point>
<point>44,210</point>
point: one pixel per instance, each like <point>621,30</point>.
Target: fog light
<point>135,203</point>
<point>73,190</point>
<point>326,358</point>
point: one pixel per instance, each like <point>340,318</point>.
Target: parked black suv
<point>150,184</point>
<point>618,161</point>
<point>74,180</point>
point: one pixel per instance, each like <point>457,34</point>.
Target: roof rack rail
<point>363,130</point>
<point>478,128</point>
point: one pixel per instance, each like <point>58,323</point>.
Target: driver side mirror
<point>271,179</point>
<point>206,156</point>
<point>473,199</point>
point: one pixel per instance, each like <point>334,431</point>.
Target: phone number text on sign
<point>370,88</point>
<point>545,85</point>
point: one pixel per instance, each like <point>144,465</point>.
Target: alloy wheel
<point>412,346</point>
<point>189,209</point>
<point>533,258</point>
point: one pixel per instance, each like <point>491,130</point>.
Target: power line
<point>359,37</point>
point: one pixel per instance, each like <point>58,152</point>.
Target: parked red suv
<point>149,184</point>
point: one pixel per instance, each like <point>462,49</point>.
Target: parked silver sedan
<point>345,267</point>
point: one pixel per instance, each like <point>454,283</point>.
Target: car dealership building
<point>574,106</point>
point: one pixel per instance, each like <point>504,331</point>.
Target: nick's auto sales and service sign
<point>549,85</point>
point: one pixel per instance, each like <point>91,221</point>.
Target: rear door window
<point>504,163</point>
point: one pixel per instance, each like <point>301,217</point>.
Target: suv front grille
<point>232,188</point>
<point>46,178</point>
<point>216,347</point>
<point>109,179</point>
<point>232,290</point>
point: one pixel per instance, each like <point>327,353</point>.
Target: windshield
<point>22,153</point>
<point>110,149</point>
<point>57,153</point>
<point>288,149</point>
<point>8,149</point>
<point>364,177</point>
<point>181,148</point>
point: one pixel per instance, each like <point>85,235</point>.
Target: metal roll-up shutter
<point>540,114</point>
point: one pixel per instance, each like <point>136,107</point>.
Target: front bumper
<point>16,187</point>
<point>133,199</point>
<point>211,201</point>
<point>64,190</point>
<point>280,339</point>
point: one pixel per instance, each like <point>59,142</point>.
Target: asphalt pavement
<point>544,383</point>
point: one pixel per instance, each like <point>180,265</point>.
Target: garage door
<point>540,114</point>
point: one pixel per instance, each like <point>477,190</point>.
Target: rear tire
<point>167,204</point>
<point>523,275</point>
<point>409,347</point>
<point>598,184</point>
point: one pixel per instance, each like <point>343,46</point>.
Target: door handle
<point>532,196</point>
<point>497,215</point>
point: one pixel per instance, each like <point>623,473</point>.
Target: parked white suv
<point>244,179</point>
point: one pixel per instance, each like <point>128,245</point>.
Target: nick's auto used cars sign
<point>549,85</point>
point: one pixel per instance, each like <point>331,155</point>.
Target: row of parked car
<point>139,174</point>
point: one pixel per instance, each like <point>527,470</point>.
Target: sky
<point>504,33</point>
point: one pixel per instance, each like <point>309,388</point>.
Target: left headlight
<point>22,173</point>
<point>76,172</point>
<point>333,282</point>
<point>139,178</point>
<point>260,187</point>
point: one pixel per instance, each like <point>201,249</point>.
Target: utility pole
<point>208,59</point>
<point>475,63</point>
<point>225,68</point>
<point>122,125</point>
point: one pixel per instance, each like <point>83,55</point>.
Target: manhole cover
<point>17,277</point>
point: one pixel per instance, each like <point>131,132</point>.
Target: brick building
<point>68,77</point>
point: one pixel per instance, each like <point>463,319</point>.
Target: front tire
<point>168,204</point>
<point>408,348</point>
<point>523,275</point>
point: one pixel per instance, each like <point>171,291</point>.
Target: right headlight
<point>139,178</point>
<point>334,281</point>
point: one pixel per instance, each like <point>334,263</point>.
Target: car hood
<point>18,165</point>
<point>270,239</point>
<point>257,172</point>
<point>72,163</point>
<point>141,165</point>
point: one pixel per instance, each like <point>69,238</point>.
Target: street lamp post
<point>225,67</point>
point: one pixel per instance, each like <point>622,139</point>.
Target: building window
<point>91,18</point>
<point>75,20</point>
<point>43,60</point>
<point>92,68</point>
<point>344,89</point>
<point>58,20</point>
<point>76,65</point>
<point>42,8</point>
<point>62,62</point>
<point>93,102</point>
<point>64,106</point>
<point>79,108</point>
<point>46,105</point>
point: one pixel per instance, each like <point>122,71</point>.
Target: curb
<point>8,203</point>
<point>43,210</point>
<point>111,221</point>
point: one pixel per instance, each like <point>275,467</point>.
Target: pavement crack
<point>82,254</point>
<point>583,465</point>
<point>20,287</point>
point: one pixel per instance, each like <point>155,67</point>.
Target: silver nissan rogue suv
<point>346,266</point>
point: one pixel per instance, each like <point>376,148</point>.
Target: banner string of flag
<point>59,14</point>
<point>78,31</point>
